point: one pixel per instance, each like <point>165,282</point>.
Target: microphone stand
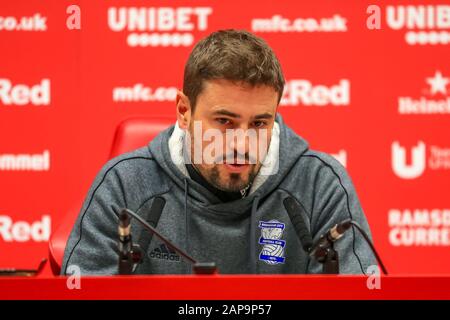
<point>323,250</point>
<point>130,255</point>
<point>327,255</point>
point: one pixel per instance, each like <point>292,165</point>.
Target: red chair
<point>131,134</point>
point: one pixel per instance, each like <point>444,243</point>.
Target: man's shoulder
<point>132,160</point>
<point>316,168</point>
<point>134,176</point>
<point>318,160</point>
<point>134,169</point>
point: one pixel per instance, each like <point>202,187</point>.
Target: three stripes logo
<point>163,252</point>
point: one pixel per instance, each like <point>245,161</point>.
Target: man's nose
<point>240,142</point>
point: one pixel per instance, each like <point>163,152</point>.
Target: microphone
<point>293,209</point>
<point>129,254</point>
<point>124,227</point>
<point>319,249</point>
<point>129,213</point>
<point>157,207</point>
<point>323,250</point>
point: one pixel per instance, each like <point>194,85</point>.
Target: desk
<point>224,287</point>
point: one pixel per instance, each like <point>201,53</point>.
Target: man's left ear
<point>183,107</point>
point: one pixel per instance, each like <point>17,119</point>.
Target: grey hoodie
<point>249,235</point>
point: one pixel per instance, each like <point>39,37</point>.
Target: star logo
<point>438,83</point>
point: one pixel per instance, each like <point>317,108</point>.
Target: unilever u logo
<point>398,158</point>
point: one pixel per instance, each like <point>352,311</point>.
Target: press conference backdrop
<point>368,84</point>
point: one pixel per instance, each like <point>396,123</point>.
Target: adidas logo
<point>165,253</point>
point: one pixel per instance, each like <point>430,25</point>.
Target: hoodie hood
<point>290,146</point>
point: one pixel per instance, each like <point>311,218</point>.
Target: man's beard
<point>212,174</point>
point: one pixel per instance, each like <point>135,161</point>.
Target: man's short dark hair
<point>234,55</point>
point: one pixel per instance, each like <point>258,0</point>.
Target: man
<point>224,170</point>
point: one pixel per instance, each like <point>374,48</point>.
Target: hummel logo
<point>164,252</point>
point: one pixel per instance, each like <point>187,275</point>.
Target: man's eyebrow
<point>224,112</point>
<point>264,116</point>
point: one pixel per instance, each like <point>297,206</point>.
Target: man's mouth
<point>234,167</point>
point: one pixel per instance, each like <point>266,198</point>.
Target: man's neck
<point>224,196</point>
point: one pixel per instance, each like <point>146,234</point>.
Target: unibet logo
<point>399,163</point>
<point>426,25</point>
<point>160,19</point>
<point>22,231</point>
<point>418,17</point>
<point>303,92</point>
<point>154,26</point>
<point>21,94</point>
